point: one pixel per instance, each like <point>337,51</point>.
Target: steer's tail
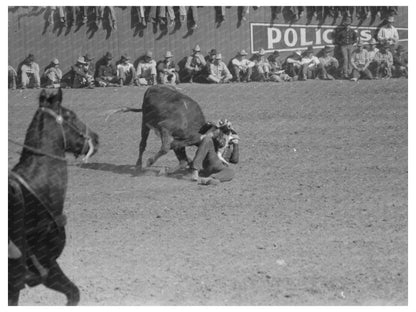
<point>111,112</point>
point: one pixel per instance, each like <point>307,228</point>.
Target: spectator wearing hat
<point>261,66</point>
<point>294,65</point>
<point>310,64</point>
<point>328,64</point>
<point>360,63</point>
<point>12,78</point>
<point>90,65</point>
<point>242,68</point>
<point>210,58</point>
<point>195,65</point>
<point>30,73</point>
<point>384,62</point>
<point>277,72</point>
<point>79,76</point>
<point>219,72</point>
<point>107,73</point>
<point>52,75</point>
<point>345,38</point>
<point>372,50</point>
<point>400,61</point>
<point>388,33</point>
<point>146,70</point>
<point>125,71</point>
<point>166,70</point>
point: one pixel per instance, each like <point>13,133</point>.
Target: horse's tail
<point>111,112</point>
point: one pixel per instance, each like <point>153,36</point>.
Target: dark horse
<point>37,187</point>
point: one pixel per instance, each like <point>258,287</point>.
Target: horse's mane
<point>33,135</point>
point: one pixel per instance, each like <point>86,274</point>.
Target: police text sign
<point>285,37</point>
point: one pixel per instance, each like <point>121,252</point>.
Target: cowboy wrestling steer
<point>175,118</point>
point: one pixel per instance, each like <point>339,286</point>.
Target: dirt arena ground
<point>316,215</point>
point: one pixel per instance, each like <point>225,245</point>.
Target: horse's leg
<point>145,135</point>
<point>58,281</point>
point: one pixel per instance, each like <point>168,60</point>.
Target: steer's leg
<point>57,280</point>
<point>164,149</point>
<point>182,157</point>
<point>145,135</point>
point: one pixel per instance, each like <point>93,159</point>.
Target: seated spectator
<point>277,71</point>
<point>107,73</point>
<point>208,168</point>
<point>210,58</point>
<point>12,78</point>
<point>400,59</point>
<point>384,61</point>
<point>242,68</point>
<point>388,33</point>
<point>30,73</point>
<point>166,70</point>
<point>328,64</point>
<point>126,74</point>
<point>261,66</point>
<point>79,77</point>
<point>146,70</point>
<point>219,72</point>
<point>90,66</point>
<point>372,50</point>
<point>52,75</point>
<point>195,66</point>
<point>310,65</point>
<point>360,63</point>
<point>294,65</point>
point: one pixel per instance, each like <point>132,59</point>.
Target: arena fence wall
<point>30,32</point>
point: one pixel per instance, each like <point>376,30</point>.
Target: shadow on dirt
<point>184,174</point>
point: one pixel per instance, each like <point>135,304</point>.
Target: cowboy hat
<point>213,52</point>
<point>400,48</point>
<point>88,58</point>
<point>309,50</point>
<point>108,56</point>
<point>125,57</point>
<point>168,54</point>
<point>81,60</point>
<point>226,125</point>
<point>149,54</point>
<point>372,41</point>
<point>243,52</point>
<point>328,49</point>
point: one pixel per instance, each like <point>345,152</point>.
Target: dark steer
<point>175,118</point>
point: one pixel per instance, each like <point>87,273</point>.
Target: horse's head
<point>77,138</point>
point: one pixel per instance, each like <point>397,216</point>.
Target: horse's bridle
<point>60,120</point>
